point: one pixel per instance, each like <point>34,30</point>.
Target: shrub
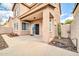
<point>59,30</point>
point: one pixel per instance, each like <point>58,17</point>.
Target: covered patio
<point>42,22</point>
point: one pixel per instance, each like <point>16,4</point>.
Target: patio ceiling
<point>34,16</point>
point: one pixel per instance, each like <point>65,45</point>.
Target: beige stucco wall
<point>29,31</point>
<point>17,7</point>
<point>48,35</point>
<point>19,31</point>
<point>23,9</point>
<point>65,28</point>
<point>57,12</point>
<point>76,11</point>
<point>44,22</point>
<point>75,27</point>
<point>16,20</point>
<point>52,32</point>
<point>55,20</point>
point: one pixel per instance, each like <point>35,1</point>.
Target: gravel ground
<point>3,44</point>
<point>64,43</point>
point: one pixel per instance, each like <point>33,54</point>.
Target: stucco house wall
<point>22,9</point>
<point>18,29</point>
<point>75,27</point>
<point>47,11</point>
<point>57,11</point>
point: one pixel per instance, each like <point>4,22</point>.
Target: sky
<point>66,10</point>
<point>5,12</point>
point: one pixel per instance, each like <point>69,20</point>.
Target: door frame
<point>34,29</point>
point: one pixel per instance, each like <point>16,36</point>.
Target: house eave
<point>75,7</point>
<point>21,17</point>
<point>28,5</point>
<point>13,6</point>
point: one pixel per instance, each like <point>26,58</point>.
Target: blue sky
<point>66,9</point>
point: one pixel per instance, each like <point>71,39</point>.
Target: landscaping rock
<point>3,44</point>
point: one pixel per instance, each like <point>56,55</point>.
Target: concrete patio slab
<point>13,41</point>
<point>33,48</point>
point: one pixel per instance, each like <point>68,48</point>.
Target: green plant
<point>59,30</point>
<point>68,21</point>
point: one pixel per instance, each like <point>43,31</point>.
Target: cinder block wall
<point>65,28</point>
<point>5,30</point>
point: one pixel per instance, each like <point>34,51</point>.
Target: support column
<point>45,25</point>
<point>53,30</point>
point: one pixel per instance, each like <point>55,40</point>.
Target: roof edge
<point>75,7</point>
<point>13,6</point>
<point>60,7</point>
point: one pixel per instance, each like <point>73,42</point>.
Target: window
<point>16,26</point>
<point>50,25</point>
<point>25,26</point>
<point>16,11</point>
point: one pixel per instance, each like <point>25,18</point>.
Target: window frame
<point>25,26</point>
<point>15,25</point>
